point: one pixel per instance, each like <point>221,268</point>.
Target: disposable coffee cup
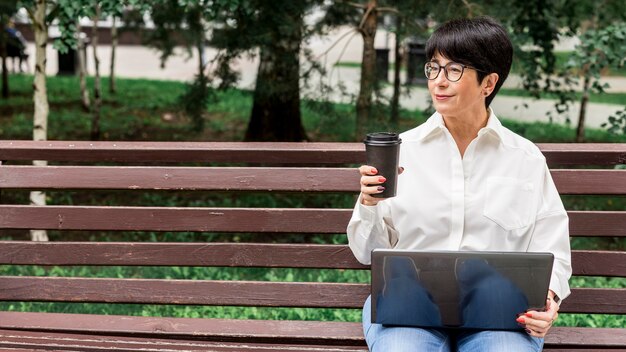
<point>382,150</point>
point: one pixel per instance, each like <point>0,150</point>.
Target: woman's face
<point>456,99</point>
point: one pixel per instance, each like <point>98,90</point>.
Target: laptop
<point>452,289</point>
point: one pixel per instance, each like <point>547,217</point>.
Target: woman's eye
<point>455,69</point>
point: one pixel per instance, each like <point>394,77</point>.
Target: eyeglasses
<point>453,70</point>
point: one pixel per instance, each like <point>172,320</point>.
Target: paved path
<point>141,62</point>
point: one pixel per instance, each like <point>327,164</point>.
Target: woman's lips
<point>441,96</point>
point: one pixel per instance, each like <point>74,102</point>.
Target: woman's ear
<point>489,83</point>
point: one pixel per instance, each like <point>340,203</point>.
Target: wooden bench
<point>293,168</point>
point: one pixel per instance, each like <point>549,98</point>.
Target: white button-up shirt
<point>498,197</point>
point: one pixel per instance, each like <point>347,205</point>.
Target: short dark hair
<point>479,42</point>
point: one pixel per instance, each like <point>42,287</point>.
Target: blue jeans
<point>404,339</point>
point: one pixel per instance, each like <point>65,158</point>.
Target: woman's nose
<point>441,78</point>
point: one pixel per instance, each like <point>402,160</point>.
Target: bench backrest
<point>310,168</point>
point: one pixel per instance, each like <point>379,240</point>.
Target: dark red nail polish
<point>380,188</point>
<point>528,330</point>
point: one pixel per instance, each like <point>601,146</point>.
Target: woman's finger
<point>366,170</point>
<point>372,180</point>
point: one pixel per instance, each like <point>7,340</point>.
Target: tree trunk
<point>395,99</point>
<point>368,69</point>
<point>580,131</point>
<point>276,108</point>
<point>201,56</point>
<point>3,57</point>
<point>97,98</point>
<point>114,41</point>
<point>82,70</point>
<point>40,97</point>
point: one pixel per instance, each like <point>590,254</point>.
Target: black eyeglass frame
<point>445,70</point>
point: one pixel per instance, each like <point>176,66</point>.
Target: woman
<point>466,183</point>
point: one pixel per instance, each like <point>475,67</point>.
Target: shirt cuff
<point>367,212</point>
<point>555,286</point>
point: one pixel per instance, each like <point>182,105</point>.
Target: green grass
<point>147,110</point>
<point>351,64</point>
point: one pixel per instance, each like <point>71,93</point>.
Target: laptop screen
<point>450,289</point>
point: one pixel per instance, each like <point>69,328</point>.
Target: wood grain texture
<point>178,254</point>
<point>597,223</point>
<point>276,220</point>
<point>250,179</point>
<point>587,263</point>
<point>304,332</point>
<point>610,182</point>
<point>180,178</point>
<point>243,293</point>
<point>260,152</point>
<point>14,340</point>
<point>184,292</point>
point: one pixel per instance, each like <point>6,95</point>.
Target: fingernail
<point>520,320</point>
<point>380,188</point>
<point>530,315</point>
<point>401,168</point>
<point>374,171</point>
<point>382,179</point>
<point>527,330</point>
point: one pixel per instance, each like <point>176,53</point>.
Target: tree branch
<point>31,15</point>
<point>469,8</point>
<point>340,56</point>
<point>354,4</point>
<point>388,9</point>
<point>335,43</point>
<point>365,16</point>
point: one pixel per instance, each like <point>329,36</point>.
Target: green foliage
<point>8,7</point>
<point>195,100</point>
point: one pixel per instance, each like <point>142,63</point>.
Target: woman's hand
<point>536,323</point>
<point>371,184</point>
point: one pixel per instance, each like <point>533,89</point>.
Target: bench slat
<point>242,293</point>
<point>178,254</point>
<point>310,332</point>
<point>230,293</point>
<point>589,263</point>
<point>250,179</point>
<point>177,152</point>
<point>283,220</point>
<point>276,220</point>
<point>180,178</point>
<point>280,153</point>
<point>588,181</point>
<point>45,341</point>
<point>597,223</point>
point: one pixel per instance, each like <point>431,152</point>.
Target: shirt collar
<point>494,127</point>
<point>435,125</point>
<point>432,126</point>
